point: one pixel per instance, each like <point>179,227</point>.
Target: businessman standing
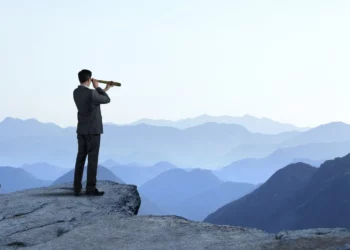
<point>89,130</point>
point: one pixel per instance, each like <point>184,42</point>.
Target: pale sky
<point>286,60</point>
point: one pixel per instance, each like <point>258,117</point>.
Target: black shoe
<point>77,192</point>
<point>95,192</point>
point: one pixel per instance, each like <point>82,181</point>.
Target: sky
<point>285,60</point>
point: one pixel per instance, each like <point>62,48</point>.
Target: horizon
<point>132,122</point>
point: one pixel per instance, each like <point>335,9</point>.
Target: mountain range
<point>44,171</point>
<point>258,170</point>
<point>191,194</point>
<point>139,175</point>
<point>13,179</point>
<point>253,124</point>
<point>297,196</point>
<point>102,174</point>
<point>208,146</point>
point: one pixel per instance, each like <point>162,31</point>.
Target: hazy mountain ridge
<point>139,175</point>
<point>192,194</point>
<point>103,173</point>
<point>319,199</point>
<point>209,145</point>
<point>14,179</point>
<point>253,124</point>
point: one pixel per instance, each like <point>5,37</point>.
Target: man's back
<point>89,115</point>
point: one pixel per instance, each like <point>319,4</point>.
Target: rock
<point>52,218</point>
<point>34,216</point>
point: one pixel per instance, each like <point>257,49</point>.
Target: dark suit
<point>89,130</point>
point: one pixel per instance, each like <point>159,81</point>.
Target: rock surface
<point>52,218</point>
<point>34,216</point>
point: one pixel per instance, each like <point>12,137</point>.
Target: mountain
<point>44,171</point>
<point>261,208</point>
<point>205,145</point>
<point>109,163</point>
<point>258,170</point>
<point>14,179</point>
<point>330,132</point>
<point>102,174</point>
<point>139,175</point>
<point>149,208</point>
<point>30,127</point>
<point>317,151</point>
<point>253,124</point>
<point>175,185</point>
<point>199,206</point>
<point>296,197</point>
<point>208,145</point>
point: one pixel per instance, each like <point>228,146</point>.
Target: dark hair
<point>84,75</point>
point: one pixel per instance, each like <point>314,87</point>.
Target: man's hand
<point>107,87</point>
<point>94,83</point>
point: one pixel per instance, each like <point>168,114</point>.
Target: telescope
<point>118,84</point>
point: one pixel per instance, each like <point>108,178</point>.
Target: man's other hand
<point>107,87</point>
<point>94,83</point>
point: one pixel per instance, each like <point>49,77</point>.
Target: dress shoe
<point>77,192</point>
<point>95,192</point>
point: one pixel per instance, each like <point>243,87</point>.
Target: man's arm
<point>99,96</point>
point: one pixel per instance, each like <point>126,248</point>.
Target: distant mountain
<point>30,127</point>
<point>143,144</point>
<point>149,208</point>
<point>44,171</point>
<point>253,124</point>
<point>139,175</point>
<point>260,209</point>
<point>208,145</point>
<point>199,206</point>
<point>15,179</point>
<point>102,174</point>
<point>109,163</point>
<point>256,171</point>
<point>330,132</point>
<point>296,197</point>
<point>175,185</point>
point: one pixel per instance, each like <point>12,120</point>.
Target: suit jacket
<point>89,113</point>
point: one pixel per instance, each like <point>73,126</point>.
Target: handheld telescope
<point>118,84</point>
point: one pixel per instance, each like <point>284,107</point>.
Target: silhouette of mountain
<point>14,179</point>
<point>207,145</point>
<point>109,163</point>
<point>261,208</point>
<point>30,127</point>
<point>256,171</point>
<point>330,132</point>
<point>175,185</point>
<point>142,144</point>
<point>44,171</point>
<point>102,174</point>
<point>296,197</point>
<point>139,175</point>
<point>317,151</point>
<point>253,124</point>
<point>149,208</point>
<point>199,206</point>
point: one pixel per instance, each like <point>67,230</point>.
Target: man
<point>89,130</point>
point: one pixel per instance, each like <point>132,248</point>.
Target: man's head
<point>85,77</point>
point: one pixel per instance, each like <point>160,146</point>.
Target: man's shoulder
<point>82,89</point>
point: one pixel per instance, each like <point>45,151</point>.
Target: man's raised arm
<point>99,96</point>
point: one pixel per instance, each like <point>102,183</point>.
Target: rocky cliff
<point>52,218</point>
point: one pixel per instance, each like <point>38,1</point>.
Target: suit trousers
<point>88,145</point>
